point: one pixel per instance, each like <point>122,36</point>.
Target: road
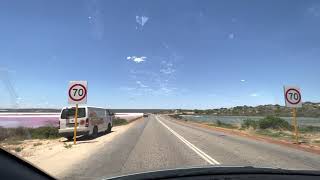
<point>158,142</point>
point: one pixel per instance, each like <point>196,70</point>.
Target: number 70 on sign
<point>292,95</point>
<point>77,92</point>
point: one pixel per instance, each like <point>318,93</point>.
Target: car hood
<point>212,170</point>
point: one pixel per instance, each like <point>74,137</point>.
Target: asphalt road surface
<point>158,142</point>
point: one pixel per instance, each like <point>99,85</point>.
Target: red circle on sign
<point>291,89</point>
<point>85,92</point>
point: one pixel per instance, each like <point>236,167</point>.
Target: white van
<point>91,121</point>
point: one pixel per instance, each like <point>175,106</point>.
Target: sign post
<point>75,126</point>
<point>292,96</point>
<point>77,94</point>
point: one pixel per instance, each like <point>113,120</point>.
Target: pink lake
<point>28,120</point>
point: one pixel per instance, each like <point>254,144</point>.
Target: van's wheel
<point>95,132</point>
<point>70,138</point>
<point>109,128</point>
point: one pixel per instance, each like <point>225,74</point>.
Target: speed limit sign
<point>77,92</point>
<point>292,96</point>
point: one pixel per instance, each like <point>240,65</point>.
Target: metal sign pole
<point>295,124</point>
<point>75,126</point>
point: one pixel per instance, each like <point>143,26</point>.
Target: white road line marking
<point>202,154</point>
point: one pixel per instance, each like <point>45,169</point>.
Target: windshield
<point>70,113</point>
<point>161,84</point>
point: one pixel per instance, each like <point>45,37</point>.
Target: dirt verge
<point>57,156</point>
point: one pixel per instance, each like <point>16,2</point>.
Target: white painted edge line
<point>202,154</point>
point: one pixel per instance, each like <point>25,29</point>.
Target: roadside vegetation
<point>14,135</point>
<point>270,126</point>
<point>119,122</point>
<point>223,125</point>
<point>269,122</point>
<point>67,146</point>
<point>308,109</point>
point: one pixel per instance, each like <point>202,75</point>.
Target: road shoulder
<point>58,156</point>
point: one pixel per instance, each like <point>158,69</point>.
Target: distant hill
<point>308,109</point>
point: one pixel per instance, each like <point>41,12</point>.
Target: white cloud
<point>231,36</point>
<point>142,20</point>
<point>137,59</point>
<point>254,95</point>
<point>141,85</point>
<point>314,10</point>
<point>166,90</point>
<point>242,80</point>
<point>157,80</point>
<point>167,70</point>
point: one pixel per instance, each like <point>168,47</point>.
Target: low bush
<point>119,122</point>
<point>247,123</point>
<point>305,129</point>
<point>44,133</point>
<point>273,123</point>
<point>275,134</point>
<point>225,125</point>
<point>67,146</point>
<point>37,144</point>
<point>18,149</point>
<point>269,122</point>
<point>22,133</point>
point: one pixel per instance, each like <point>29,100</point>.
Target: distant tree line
<point>308,109</point>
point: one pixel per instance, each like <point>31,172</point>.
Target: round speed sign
<point>293,96</point>
<point>77,92</point>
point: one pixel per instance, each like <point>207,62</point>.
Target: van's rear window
<point>70,113</point>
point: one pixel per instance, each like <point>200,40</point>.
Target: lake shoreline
<point>302,121</point>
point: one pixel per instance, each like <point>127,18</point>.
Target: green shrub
<point>273,123</point>
<point>22,133</point>
<point>18,149</point>
<point>37,144</point>
<point>275,134</point>
<point>44,132</point>
<point>309,128</point>
<point>225,125</point>
<point>219,123</point>
<point>119,122</point>
<point>247,123</point>
<point>67,146</point>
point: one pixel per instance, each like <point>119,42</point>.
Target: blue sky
<point>159,54</point>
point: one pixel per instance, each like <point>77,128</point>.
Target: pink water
<point>12,122</point>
